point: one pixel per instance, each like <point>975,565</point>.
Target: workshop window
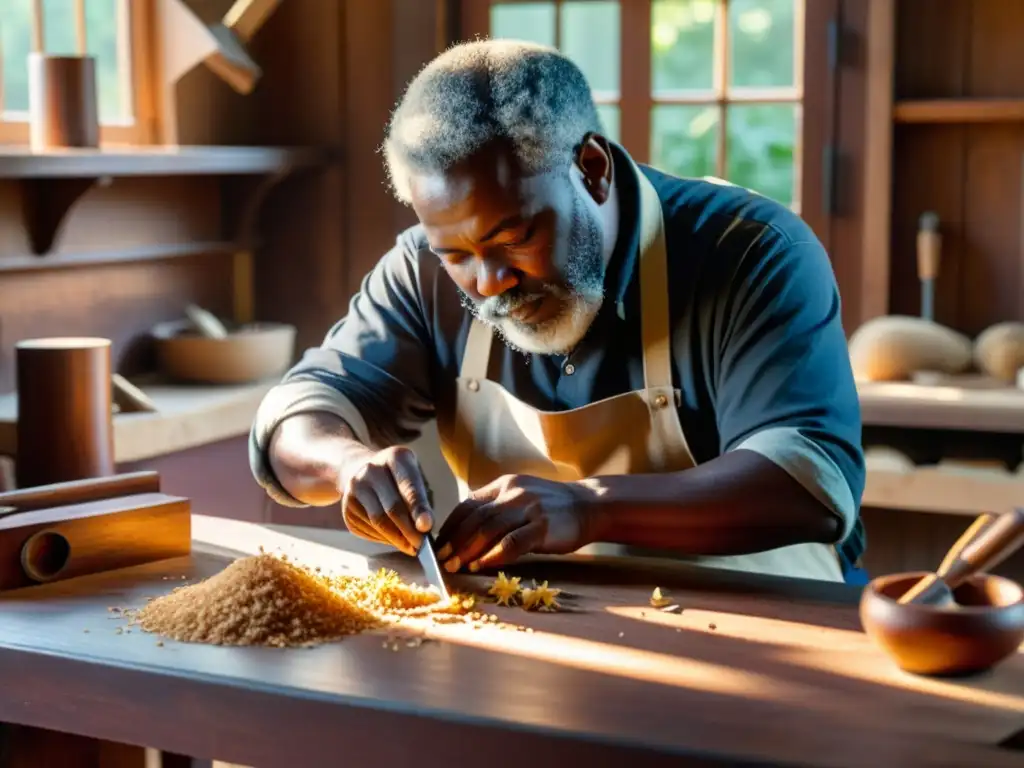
<point>116,32</point>
<point>694,87</point>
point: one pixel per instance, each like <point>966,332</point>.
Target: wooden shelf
<point>53,182</point>
<point>186,417</point>
<point>959,111</point>
<point>917,406</point>
<point>124,255</point>
<point>22,163</point>
<point>942,490</point>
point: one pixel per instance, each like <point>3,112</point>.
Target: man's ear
<point>594,160</point>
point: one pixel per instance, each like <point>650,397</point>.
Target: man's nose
<point>493,278</point>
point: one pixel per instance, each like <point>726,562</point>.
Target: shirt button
<point>473,385</point>
<point>570,369</point>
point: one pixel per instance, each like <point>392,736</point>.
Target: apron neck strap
<point>654,318</point>
<point>655,322</point>
<point>477,354</point>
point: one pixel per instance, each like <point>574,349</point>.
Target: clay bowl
<point>984,628</point>
<point>249,353</point>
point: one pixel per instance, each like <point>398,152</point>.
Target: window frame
<point>139,40</point>
<point>637,98</point>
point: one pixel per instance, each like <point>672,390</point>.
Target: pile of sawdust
<point>266,600</point>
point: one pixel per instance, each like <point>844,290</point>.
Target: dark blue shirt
<point>759,351</point>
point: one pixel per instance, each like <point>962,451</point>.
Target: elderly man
<point>613,355</point>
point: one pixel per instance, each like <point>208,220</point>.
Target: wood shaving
<point>540,598</point>
<point>506,591</point>
<point>659,600</point>
<point>270,601</point>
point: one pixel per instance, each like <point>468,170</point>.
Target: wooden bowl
<point>249,353</point>
<point>984,628</point>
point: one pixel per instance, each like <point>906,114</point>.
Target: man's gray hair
<point>476,93</point>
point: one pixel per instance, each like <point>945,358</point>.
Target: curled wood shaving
<point>541,598</point>
<point>659,600</point>
<point>505,590</point>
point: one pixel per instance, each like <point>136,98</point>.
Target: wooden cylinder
<point>65,425</point>
<point>63,103</point>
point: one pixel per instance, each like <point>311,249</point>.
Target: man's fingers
<point>396,510</point>
<point>364,532</point>
<point>453,524</point>
<point>515,544</point>
<point>456,535</point>
<point>492,526</point>
<point>413,489</point>
<point>380,520</point>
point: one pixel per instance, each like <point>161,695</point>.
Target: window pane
<point>524,21</point>
<point>103,35</point>
<point>760,154</point>
<point>761,40</point>
<point>610,119</point>
<point>682,44</point>
<point>684,139</point>
<point>102,41</point>
<point>15,43</point>
<point>590,37</point>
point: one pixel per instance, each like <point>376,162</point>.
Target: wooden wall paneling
<point>879,61</point>
<point>300,266</point>
<point>991,272</point>
<point>929,166</point>
<point>928,175</point>
<point>119,302</point>
<point>370,210</point>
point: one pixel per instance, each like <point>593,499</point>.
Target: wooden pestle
<point>79,491</point>
<point>989,540</point>
<point>206,322</point>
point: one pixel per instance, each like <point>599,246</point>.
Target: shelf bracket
<point>46,203</point>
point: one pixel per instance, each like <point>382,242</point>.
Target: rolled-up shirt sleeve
<point>373,369</point>
<point>785,387</point>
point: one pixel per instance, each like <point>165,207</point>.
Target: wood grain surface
<point>754,670</point>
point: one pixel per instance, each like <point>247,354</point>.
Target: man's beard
<point>581,299</point>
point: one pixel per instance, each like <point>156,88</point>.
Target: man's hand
<point>384,498</point>
<point>513,516</point>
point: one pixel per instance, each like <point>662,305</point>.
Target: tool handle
<point>78,491</point>
<point>993,544</point>
<point>933,588</point>
<point>929,247</point>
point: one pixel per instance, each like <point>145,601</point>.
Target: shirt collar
<point>622,266</point>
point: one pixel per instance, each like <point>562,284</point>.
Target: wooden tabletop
<point>753,671</point>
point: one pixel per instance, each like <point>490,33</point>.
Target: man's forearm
<point>307,452</point>
<point>736,504</point>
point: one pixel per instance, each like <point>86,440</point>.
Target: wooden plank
<point>60,543</point>
<point>959,111</point>
<point>606,682</point>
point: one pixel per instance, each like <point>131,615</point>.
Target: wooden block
<point>64,542</point>
<point>245,17</point>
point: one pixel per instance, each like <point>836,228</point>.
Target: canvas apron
<point>491,433</point>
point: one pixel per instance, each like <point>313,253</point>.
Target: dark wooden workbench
<point>753,671</point>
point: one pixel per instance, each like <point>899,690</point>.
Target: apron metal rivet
<point>473,385</point>
<point>660,401</point>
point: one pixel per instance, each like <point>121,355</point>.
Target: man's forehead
<point>465,189</point>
